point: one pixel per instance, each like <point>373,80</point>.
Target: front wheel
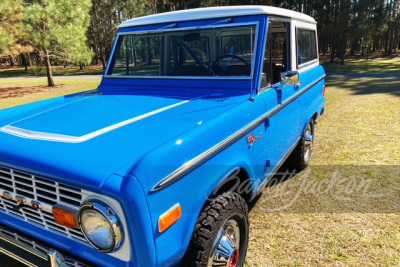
<point>221,234</point>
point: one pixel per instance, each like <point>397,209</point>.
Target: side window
<point>276,53</point>
<point>306,46</point>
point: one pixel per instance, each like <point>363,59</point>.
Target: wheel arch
<point>313,117</point>
<point>232,181</point>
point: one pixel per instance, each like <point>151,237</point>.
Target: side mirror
<point>289,78</point>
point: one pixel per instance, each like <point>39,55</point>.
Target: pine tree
<point>57,29</point>
<point>12,37</point>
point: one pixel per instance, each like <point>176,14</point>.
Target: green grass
<point>391,66</point>
<point>18,91</point>
<point>57,70</point>
<point>359,137</point>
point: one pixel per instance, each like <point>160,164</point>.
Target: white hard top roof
<point>215,12</point>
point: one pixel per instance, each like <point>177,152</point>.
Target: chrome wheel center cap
<point>225,251</point>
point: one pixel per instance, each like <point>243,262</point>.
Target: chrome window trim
<point>205,27</point>
<point>252,23</point>
<point>308,63</point>
<point>193,163</point>
<point>313,61</point>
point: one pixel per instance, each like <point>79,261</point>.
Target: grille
<point>48,193</point>
<point>41,248</point>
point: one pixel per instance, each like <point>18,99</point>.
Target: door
<point>283,129</point>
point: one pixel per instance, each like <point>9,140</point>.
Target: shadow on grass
<point>360,66</point>
<point>360,86</point>
<point>332,189</point>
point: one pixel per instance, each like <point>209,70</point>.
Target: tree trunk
<point>29,59</point>
<point>24,61</point>
<point>12,61</point>
<point>332,52</point>
<point>96,55</point>
<point>353,47</point>
<point>342,52</point>
<point>391,40</point>
<point>50,80</point>
<point>103,61</point>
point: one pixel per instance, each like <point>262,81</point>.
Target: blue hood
<point>83,139</point>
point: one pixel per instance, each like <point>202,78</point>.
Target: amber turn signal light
<point>65,216</point>
<point>169,217</point>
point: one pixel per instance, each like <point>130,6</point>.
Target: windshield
<point>223,51</point>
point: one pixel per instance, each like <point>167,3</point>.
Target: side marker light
<point>169,217</point>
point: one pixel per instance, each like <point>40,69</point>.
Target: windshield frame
<point>167,29</point>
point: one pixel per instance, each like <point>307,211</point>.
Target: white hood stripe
<point>78,139</point>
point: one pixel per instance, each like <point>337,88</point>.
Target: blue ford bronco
<point>196,110</point>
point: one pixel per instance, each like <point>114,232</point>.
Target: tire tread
<point>209,221</point>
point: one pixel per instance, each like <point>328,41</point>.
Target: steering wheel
<point>218,69</point>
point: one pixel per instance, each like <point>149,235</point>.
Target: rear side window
<point>306,46</point>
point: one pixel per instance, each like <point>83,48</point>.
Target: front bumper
<point>31,252</point>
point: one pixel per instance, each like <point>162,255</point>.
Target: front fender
<point>192,192</point>
<point>129,192</point>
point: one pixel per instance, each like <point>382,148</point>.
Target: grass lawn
<point>359,135</point>
<point>380,65</point>
<point>19,91</point>
<point>57,70</point>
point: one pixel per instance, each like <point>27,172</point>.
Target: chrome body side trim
<point>79,139</point>
<point>191,164</point>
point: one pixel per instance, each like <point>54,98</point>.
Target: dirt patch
<point>20,91</point>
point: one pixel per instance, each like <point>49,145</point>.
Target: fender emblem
<point>252,139</point>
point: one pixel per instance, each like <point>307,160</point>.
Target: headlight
<point>100,226</point>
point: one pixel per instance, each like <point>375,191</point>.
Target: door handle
<point>298,85</point>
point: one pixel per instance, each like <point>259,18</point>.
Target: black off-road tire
<point>299,159</point>
<point>224,209</point>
